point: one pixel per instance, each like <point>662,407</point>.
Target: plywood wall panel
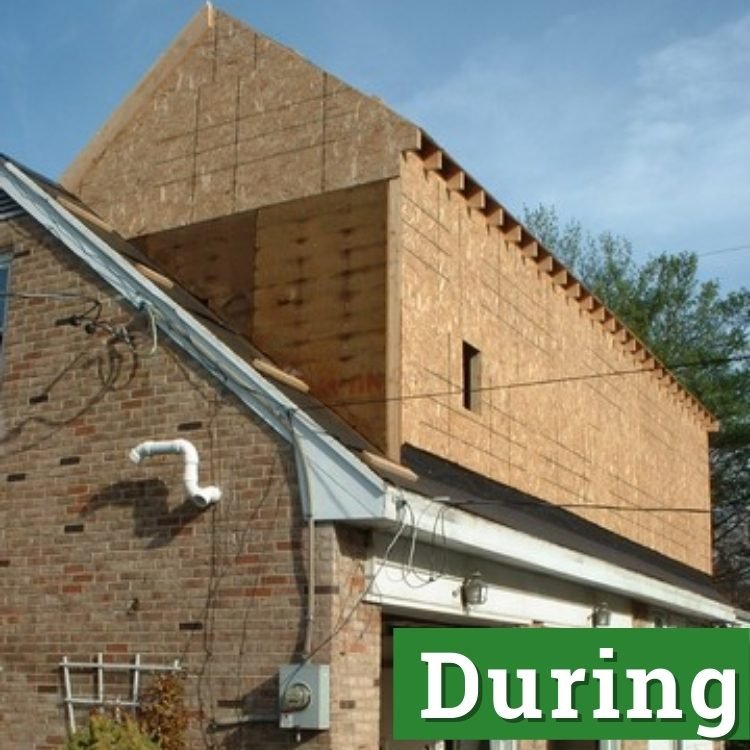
<point>619,450</point>
<point>272,126</point>
<point>320,297</point>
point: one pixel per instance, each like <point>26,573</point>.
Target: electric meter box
<point>304,696</point>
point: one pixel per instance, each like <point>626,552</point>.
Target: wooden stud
<point>476,199</point>
<point>512,233</point>
<point>267,368</point>
<point>494,213</point>
<point>394,307</point>
<point>598,312</point>
<point>421,142</point>
<point>560,276</point>
<point>386,466</point>
<point>574,290</point>
<point>432,158</point>
<point>587,300</point>
<point>545,263</point>
<point>82,212</point>
<point>455,179</point>
<point>155,276</point>
<point>530,249</point>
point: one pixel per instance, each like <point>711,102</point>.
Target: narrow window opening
<point>471,377</point>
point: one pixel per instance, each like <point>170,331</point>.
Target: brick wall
<point>356,650</point>
<point>612,442</point>
<point>100,555</point>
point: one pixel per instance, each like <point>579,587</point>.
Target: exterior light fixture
<point>473,590</point>
<point>601,616</point>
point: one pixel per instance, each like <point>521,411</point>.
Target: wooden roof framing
<point>515,234</point>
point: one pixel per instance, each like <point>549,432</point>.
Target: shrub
<point>110,733</point>
<point>162,712</point>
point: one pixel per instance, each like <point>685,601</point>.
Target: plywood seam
<point>74,175</point>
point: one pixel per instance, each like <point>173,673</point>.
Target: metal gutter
<point>489,540</point>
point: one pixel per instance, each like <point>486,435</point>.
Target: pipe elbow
<point>203,497</point>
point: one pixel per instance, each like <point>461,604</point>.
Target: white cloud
<point>658,151</point>
<point>686,145</point>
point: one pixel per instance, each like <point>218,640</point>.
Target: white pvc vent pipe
<point>201,496</point>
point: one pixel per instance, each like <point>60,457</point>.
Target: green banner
<point>603,683</point>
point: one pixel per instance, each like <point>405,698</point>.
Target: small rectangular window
<point>472,377</point>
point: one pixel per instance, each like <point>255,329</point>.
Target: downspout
<point>307,504</point>
<point>203,497</point>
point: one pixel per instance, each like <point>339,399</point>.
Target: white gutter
<point>203,497</point>
<point>489,540</point>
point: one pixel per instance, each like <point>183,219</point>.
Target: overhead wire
<point>722,250</point>
<point>344,621</point>
<point>709,362</point>
<point>62,296</point>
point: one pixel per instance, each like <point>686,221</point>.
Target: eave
<point>518,237</point>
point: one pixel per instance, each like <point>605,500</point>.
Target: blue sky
<point>630,115</point>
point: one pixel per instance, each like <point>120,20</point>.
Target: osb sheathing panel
<point>236,123</point>
<point>306,282</point>
<point>617,450</point>
<point>319,302</point>
<point>214,260</point>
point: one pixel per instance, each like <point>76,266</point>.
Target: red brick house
<point>391,383</point>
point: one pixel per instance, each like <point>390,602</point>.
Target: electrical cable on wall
<point>345,620</point>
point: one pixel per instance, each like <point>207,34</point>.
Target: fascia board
<point>477,536</point>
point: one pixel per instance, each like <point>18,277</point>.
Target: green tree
<point>702,335</point>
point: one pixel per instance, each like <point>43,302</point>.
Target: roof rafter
<point>515,234</point>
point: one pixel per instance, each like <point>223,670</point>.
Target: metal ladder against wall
<point>98,668</point>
